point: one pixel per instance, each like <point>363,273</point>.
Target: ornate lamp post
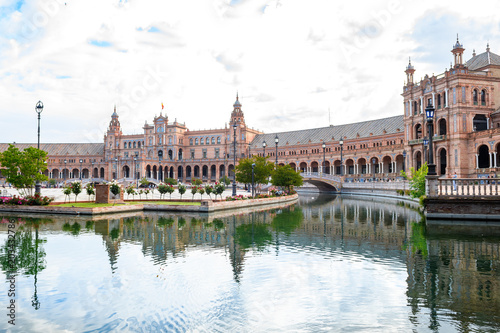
<point>116,167</point>
<point>81,162</point>
<point>135,172</point>
<point>92,169</point>
<point>404,160</point>
<point>64,171</point>
<point>276,141</point>
<point>234,158</point>
<point>341,143</point>
<point>429,113</point>
<point>253,186</point>
<point>38,109</point>
<point>373,167</point>
<point>324,157</point>
<point>426,143</point>
<point>264,144</point>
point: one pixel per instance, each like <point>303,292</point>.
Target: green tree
<point>194,189</point>
<point>225,180</point>
<point>182,189</point>
<point>288,220</point>
<point>416,179</point>
<point>67,192</point>
<point>90,189</point>
<point>201,190</point>
<point>209,189</point>
<point>285,176</point>
<point>23,168</point>
<point>262,170</point>
<point>144,181</point>
<point>76,188</point>
<point>196,181</point>
<point>171,181</point>
<point>219,189</point>
<point>162,188</point>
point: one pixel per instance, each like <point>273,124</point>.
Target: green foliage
<point>28,252</point>
<point>182,189</point>
<point>286,176</point>
<point>262,170</point>
<point>209,190</point>
<point>254,234</point>
<point>225,180</point>
<point>90,189</point>
<point>52,182</point>
<point>23,168</point>
<point>219,189</point>
<point>76,188</point>
<point>67,192</point>
<point>194,189</point>
<point>417,180</point>
<point>165,222</point>
<point>196,181</point>
<point>181,222</point>
<point>201,190</point>
<point>114,187</point>
<point>130,190</point>
<point>171,181</point>
<point>144,181</point>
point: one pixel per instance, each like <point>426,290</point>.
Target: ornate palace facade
<point>466,136</point>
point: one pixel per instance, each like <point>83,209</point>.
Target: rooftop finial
<point>473,52</point>
<point>488,47</point>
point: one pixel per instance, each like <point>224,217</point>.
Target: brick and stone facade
<point>466,137</point>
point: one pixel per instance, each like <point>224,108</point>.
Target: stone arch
<point>417,159</point>
<point>102,173</point>
<point>180,173</point>
<point>441,160</point>
<point>479,123</point>
<point>418,131</point>
<point>483,157</point>
<point>363,169</point>
<point>387,164</point>
<point>213,171</point>
<point>314,166</point>
<point>293,165</point>
<point>222,170</point>
<point>349,167</point>
<point>303,167</point>
<point>148,171</point>
<point>204,172</point>
<point>188,172</point>
<point>55,173</point>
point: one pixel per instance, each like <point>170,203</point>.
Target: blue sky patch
<point>100,43</point>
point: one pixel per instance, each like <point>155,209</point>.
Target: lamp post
<point>81,162</point>
<point>264,144</point>
<point>324,157</point>
<point>429,113</point>
<point>276,141</point>
<point>253,186</point>
<point>234,158</point>
<point>116,167</point>
<point>135,172</point>
<point>426,143</point>
<point>373,167</point>
<point>341,143</point>
<point>92,169</point>
<point>38,109</point>
<point>64,171</point>
<point>404,160</point>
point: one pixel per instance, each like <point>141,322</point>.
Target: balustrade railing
<point>321,175</point>
<point>468,187</point>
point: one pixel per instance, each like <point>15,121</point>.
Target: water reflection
<point>313,266</point>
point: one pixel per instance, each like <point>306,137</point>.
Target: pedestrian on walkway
<point>455,182</point>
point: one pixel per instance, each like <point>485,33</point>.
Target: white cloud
<point>194,55</point>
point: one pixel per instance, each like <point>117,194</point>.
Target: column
<point>411,107</point>
<point>495,159</point>
<point>421,104</point>
<point>433,101</point>
<point>491,160</point>
<point>446,97</point>
<point>477,161</point>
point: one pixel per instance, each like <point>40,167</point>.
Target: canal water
<point>325,264</point>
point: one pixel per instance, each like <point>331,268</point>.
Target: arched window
<point>139,144</point>
<point>415,108</point>
<point>213,140</point>
<point>150,141</point>
<point>196,141</point>
<point>134,144</point>
<point>218,140</point>
<point>439,101</point>
<point>191,141</point>
<point>483,97</point>
<point>418,131</point>
<point>479,123</point>
<point>130,144</point>
<point>474,96</point>
<point>124,145</point>
<point>444,99</point>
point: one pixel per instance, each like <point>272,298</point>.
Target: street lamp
<point>93,173</point>
<point>276,140</point>
<point>341,143</point>
<point>81,161</point>
<point>426,143</point>
<point>264,144</point>
<point>38,109</point>
<point>373,167</point>
<point>234,158</point>
<point>64,171</point>
<point>429,113</point>
<point>404,160</point>
<point>253,186</point>
<point>116,168</point>
<point>135,171</point>
<point>324,157</point>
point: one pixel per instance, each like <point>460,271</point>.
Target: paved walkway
<point>58,195</point>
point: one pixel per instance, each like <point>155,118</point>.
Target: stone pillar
<point>431,185</point>
<point>421,104</point>
<point>495,159</point>
<point>446,97</point>
<point>477,161</point>
<point>411,107</point>
<point>491,160</point>
<point>104,195</point>
<point>433,97</point>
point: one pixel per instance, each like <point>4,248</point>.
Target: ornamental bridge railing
<point>469,187</point>
<point>324,177</point>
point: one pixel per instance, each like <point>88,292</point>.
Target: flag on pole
<point>162,106</point>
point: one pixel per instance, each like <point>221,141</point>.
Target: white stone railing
<point>320,175</point>
<point>467,187</point>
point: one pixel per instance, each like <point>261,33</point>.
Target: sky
<point>295,64</point>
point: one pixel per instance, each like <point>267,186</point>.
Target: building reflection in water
<point>448,275</point>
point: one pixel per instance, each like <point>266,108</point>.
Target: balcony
<point>435,138</point>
